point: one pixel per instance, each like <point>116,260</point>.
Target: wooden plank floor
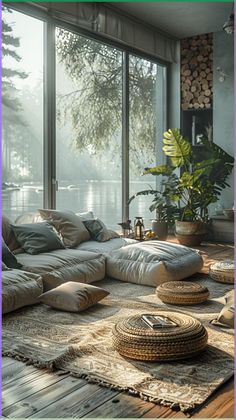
<point>35,393</point>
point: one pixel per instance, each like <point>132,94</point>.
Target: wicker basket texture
<point>182,293</point>
<point>222,271</point>
<point>134,339</point>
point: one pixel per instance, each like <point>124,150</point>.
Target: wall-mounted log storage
<point>197,72</point>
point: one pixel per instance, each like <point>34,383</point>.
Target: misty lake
<point>102,197</point>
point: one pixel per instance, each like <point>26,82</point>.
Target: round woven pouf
<point>222,271</point>
<point>182,293</point>
<point>134,339</point>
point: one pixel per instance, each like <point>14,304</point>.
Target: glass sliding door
<point>146,125</point>
<point>88,126</point>
<point>22,113</point>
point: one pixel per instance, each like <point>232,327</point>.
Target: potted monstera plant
<point>192,184</point>
<point>166,212</point>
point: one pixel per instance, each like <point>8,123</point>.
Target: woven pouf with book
<point>182,293</point>
<point>222,271</point>
<point>184,338</point>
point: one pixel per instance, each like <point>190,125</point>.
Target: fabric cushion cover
<point>226,315</point>
<point>99,231</point>
<point>19,289</point>
<point>153,262</point>
<point>5,268</point>
<point>106,247</point>
<point>8,234</point>
<point>37,237</point>
<point>28,217</point>
<point>73,297</point>
<point>69,226</point>
<point>59,266</point>
<point>8,258</point>
<point>86,215</point>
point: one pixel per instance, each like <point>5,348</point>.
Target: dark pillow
<point>37,237</point>
<point>8,234</point>
<point>5,268</point>
<point>99,231</point>
<point>8,258</point>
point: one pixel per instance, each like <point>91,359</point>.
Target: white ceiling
<point>182,19</point>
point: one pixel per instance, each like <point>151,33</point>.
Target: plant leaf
<point>164,170</point>
<point>177,147</point>
<point>144,192</point>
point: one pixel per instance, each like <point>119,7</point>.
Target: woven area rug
<point>82,344</point>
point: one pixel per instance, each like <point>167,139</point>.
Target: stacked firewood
<point>197,72</point>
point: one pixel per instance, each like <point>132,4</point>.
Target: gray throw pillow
<point>68,225</point>
<point>37,237</point>
<point>99,231</point>
<point>8,234</point>
<point>8,258</point>
<point>73,296</point>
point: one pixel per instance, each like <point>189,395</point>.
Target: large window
<point>89,112</point>
<point>22,110</point>
<point>143,92</point>
<point>97,97</point>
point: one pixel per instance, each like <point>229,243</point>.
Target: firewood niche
<point>197,72</point>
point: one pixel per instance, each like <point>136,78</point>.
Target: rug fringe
<point>52,365</point>
<point>55,366</point>
<point>185,408</point>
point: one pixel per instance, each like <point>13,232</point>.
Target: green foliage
<point>159,170</point>
<point>9,44</point>
<point>164,210</point>
<point>94,104</point>
<point>188,193</point>
<point>177,147</point>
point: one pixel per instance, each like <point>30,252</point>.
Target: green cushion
<point>37,237</point>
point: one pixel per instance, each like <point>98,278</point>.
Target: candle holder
<point>138,228</point>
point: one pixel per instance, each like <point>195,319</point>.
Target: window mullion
<point>125,138</point>
<point>49,117</point>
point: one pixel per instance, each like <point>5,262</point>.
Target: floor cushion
<point>182,293</point>
<point>134,339</point>
<point>105,247</point>
<point>60,266</point>
<point>73,297</point>
<point>19,288</point>
<point>153,262</point>
<point>222,271</point>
